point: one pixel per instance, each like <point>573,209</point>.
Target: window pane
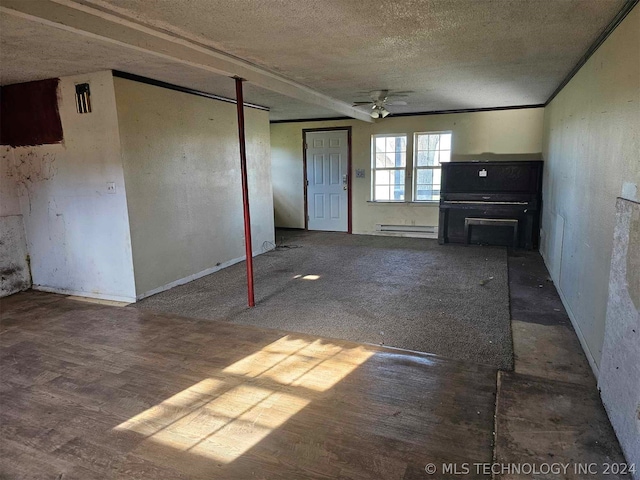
<point>437,173</point>
<point>399,159</point>
<point>389,163</point>
<point>390,160</point>
<point>382,193</point>
<point>425,176</point>
<point>434,141</point>
<point>432,149</point>
<point>428,184</point>
<point>422,142</point>
<point>389,185</point>
<point>428,192</point>
<point>445,141</point>
<point>398,177</point>
<point>383,177</point>
<point>391,144</point>
<point>426,159</point>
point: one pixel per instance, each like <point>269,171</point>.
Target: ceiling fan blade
<point>397,102</point>
<point>357,104</point>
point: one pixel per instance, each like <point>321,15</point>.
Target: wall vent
<point>83,98</point>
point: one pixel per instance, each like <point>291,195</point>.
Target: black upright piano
<point>499,199</point>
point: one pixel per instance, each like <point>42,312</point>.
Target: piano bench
<point>495,222</point>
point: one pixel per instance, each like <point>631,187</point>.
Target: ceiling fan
<point>380,99</point>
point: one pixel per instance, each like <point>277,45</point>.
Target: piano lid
<point>491,177</point>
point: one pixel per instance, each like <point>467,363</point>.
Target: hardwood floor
<point>549,410</point>
<point>94,391</point>
<point>91,391</point>
<point>540,421</point>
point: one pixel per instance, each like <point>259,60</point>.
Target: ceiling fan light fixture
<point>379,99</point>
<point>379,111</point>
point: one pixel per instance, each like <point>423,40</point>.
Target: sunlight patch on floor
<point>307,277</point>
<point>222,418</point>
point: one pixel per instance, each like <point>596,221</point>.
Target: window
<point>390,166</point>
<point>429,151</point>
<point>388,169</point>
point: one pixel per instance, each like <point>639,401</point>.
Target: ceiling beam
<point>106,26</point>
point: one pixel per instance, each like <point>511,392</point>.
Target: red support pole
<point>245,190</point>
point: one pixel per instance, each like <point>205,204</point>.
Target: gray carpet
<point>401,292</point>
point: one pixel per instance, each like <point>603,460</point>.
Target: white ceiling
<point>454,54</point>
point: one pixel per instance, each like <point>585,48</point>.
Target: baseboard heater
<point>406,228</point>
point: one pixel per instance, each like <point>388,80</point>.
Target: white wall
<point>496,135</point>
<point>78,234</point>
<point>14,268</point>
<point>591,153</point>
<point>182,171</point>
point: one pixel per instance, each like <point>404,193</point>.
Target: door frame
<point>304,171</point>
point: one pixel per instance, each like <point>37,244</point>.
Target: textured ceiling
<point>451,54</point>
<point>31,51</point>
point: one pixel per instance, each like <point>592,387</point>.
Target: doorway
<point>327,179</point>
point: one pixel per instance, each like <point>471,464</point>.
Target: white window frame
<point>415,168</point>
<point>405,169</point>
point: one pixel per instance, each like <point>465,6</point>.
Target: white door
<point>327,180</point>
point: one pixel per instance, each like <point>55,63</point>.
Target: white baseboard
<point>433,235</point>
<point>195,276</point>
<point>382,227</point>
<point>574,321</point>
<point>78,293</point>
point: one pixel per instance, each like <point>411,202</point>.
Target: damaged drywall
<point>619,379</point>
<point>633,260</point>
<point>73,200</point>
<point>14,263</point>
<point>30,113</point>
<point>29,169</point>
